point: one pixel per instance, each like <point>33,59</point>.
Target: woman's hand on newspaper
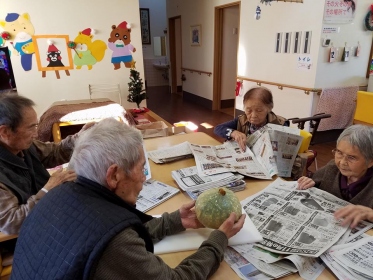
<point>305,183</point>
<point>354,214</point>
<point>240,138</point>
<point>188,216</point>
<point>229,227</point>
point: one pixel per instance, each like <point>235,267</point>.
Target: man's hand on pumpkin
<point>188,216</point>
<point>230,228</point>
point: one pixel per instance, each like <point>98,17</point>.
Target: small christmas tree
<point>136,92</point>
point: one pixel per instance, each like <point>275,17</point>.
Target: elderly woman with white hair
<point>350,175</point>
<point>258,105</point>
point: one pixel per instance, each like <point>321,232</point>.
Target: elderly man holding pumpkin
<point>90,228</point>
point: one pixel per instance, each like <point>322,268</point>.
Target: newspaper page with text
<point>285,142</point>
<point>229,157</point>
<point>295,221</point>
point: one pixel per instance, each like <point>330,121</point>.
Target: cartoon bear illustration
<point>119,43</point>
<point>54,57</point>
<point>88,52</point>
<point>20,29</point>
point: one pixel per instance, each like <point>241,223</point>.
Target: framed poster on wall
<point>145,26</point>
<point>195,35</point>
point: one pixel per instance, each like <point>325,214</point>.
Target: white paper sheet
<point>191,239</point>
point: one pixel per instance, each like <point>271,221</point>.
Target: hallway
<point>173,108</point>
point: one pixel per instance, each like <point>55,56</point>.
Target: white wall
<point>351,72</point>
<point>69,17</point>
<point>257,58</point>
<point>158,22</point>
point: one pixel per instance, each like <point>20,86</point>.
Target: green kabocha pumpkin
<point>214,206</point>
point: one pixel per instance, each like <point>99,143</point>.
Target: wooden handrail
<point>281,86</point>
<point>198,71</point>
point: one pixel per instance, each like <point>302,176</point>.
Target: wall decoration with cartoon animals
<point>52,54</point>
<point>57,52</point>
<point>87,51</point>
<point>120,44</point>
<point>21,31</point>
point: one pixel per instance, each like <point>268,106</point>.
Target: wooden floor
<point>173,108</point>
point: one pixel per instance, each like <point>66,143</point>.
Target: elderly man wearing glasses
<point>350,175</point>
<point>24,179</point>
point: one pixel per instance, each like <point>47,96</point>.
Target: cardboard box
<point>179,130</point>
<point>154,129</point>
<point>184,127</point>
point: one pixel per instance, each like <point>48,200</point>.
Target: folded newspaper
<point>234,186</point>
<point>271,150</point>
<point>169,154</point>
<point>153,192</point>
<point>354,259</point>
<point>252,262</point>
<point>275,265</point>
<point>295,221</point>
<point>188,179</point>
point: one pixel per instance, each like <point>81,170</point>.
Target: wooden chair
<point>6,259</point>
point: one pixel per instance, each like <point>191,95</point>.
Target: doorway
<point>227,21</point>
<point>175,54</point>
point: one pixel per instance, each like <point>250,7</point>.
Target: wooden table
<point>162,172</point>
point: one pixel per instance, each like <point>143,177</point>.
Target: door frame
<point>218,41</point>
<point>172,52</point>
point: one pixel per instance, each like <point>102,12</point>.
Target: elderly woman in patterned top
<point>350,175</point>
<point>258,105</point>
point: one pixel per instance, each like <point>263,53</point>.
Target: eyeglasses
<point>339,155</point>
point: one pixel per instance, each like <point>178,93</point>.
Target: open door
<point>227,20</point>
<point>175,54</point>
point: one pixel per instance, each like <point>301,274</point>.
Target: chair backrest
<point>363,112</point>
<point>105,90</point>
<point>314,123</point>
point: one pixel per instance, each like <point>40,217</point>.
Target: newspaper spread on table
<point>308,268</point>
<point>247,259</point>
<point>295,221</point>
<point>354,259</point>
<point>285,142</point>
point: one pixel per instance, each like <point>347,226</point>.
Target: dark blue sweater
<point>69,228</point>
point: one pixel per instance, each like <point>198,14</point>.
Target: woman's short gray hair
<point>106,143</point>
<point>360,136</point>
